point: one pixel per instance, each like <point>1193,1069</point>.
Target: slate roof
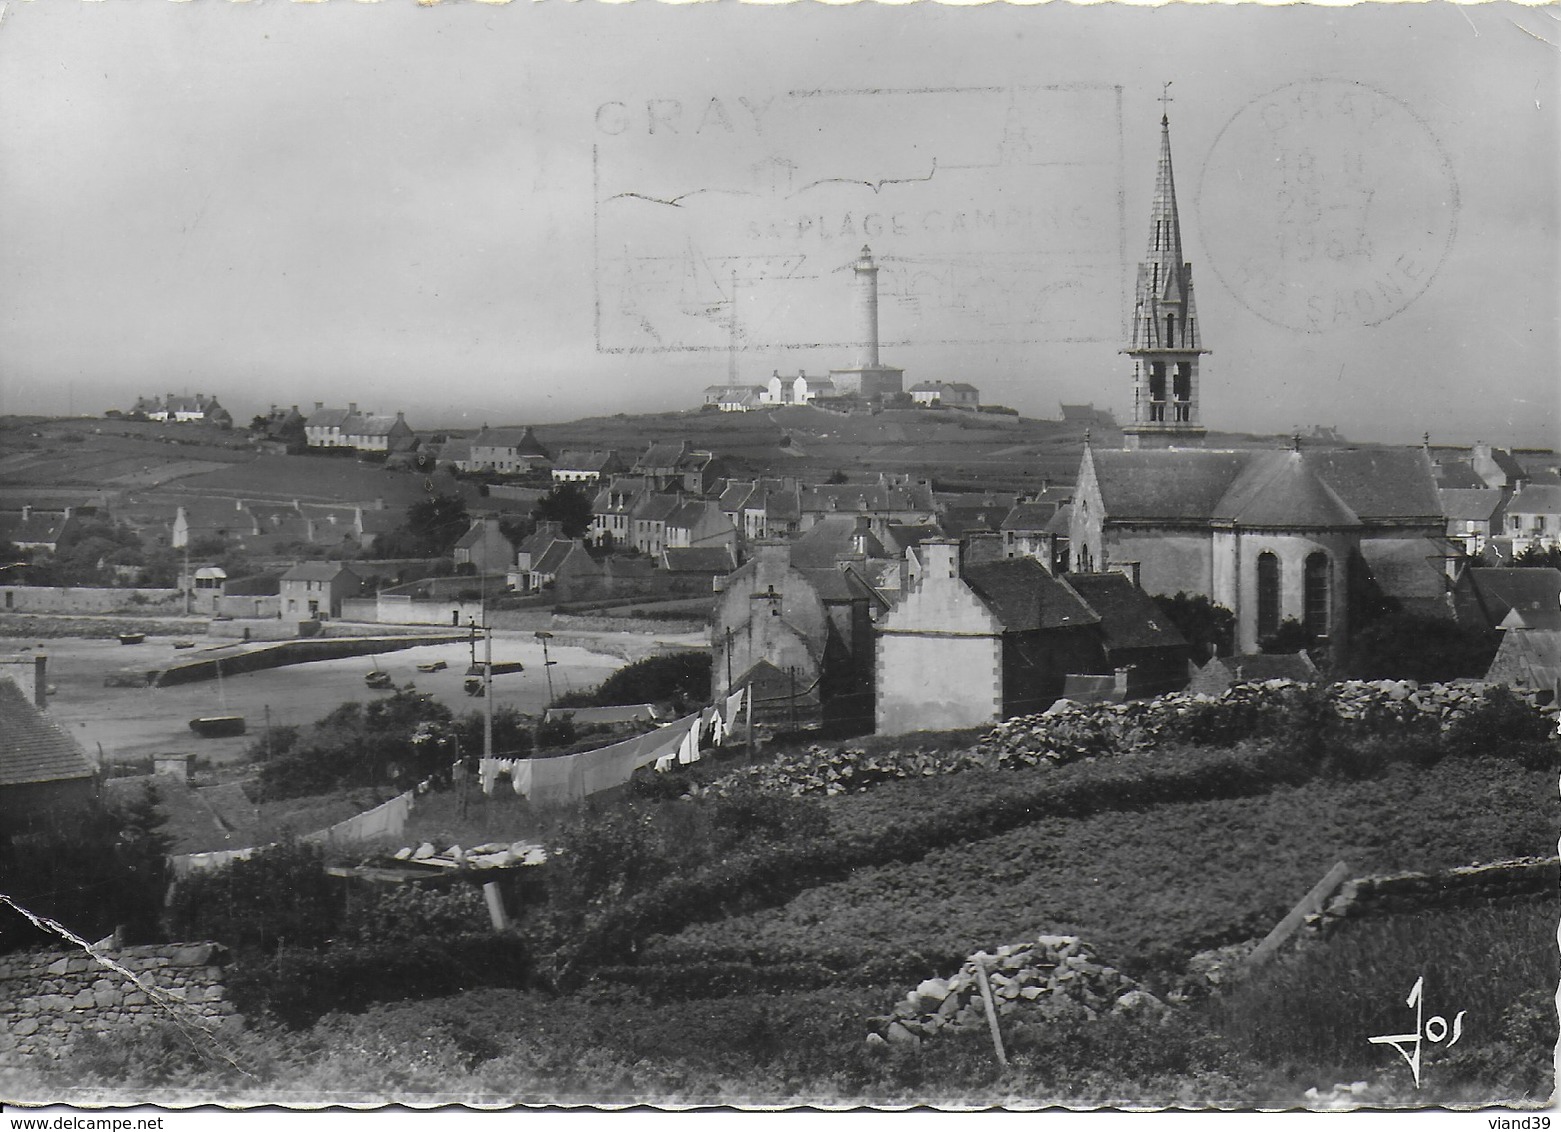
<point>1457,473</point>
<point>828,539</point>
<point>523,440</point>
<point>656,508</point>
<point>1528,659</point>
<point>1481,504</point>
<point>1413,570</point>
<point>33,748</point>
<point>698,560</point>
<point>317,572</point>
<point>1536,499</point>
<point>661,456</point>
<point>1024,597</point>
<point>904,535</point>
<point>199,819</point>
<point>554,557</point>
<point>1029,517</point>
<point>575,460</point>
<point>1379,483</point>
<point>1277,489</point>
<point>831,583</point>
<point>1160,484</point>
<point>1312,487</point>
<point>38,527</point>
<point>1062,521</point>
<point>688,515</point>
<point>1129,618</point>
<point>327,418</point>
<point>1484,595</point>
<point>1257,667</point>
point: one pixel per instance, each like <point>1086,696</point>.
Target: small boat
<point>377,679</point>
<point>184,644</point>
<point>213,726</point>
<point>433,666</point>
<point>131,638</point>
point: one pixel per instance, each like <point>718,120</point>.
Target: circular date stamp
<point>1326,204</point>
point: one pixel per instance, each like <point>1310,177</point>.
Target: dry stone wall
<point>47,998</point>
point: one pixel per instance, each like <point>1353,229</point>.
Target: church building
<point>1272,535</point>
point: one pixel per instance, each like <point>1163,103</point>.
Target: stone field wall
<point>47,998</point>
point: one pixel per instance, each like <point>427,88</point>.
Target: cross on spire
<point>1165,101</point>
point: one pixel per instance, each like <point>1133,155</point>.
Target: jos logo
<point>1433,1029</point>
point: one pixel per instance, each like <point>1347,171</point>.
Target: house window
<point>1267,594</point>
<point>1539,522</point>
<point>1316,585</point>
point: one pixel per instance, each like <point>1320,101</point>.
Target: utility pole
<point>547,665</point>
<point>487,691</point>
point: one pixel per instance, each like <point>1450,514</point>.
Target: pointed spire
<point>1165,230</point>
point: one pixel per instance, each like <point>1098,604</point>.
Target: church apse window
<point>1316,595</point>
<point>1267,594</point>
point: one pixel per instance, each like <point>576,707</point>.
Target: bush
<point>680,676</point>
<point>297,987</point>
<point>280,893</point>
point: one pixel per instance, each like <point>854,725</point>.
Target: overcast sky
<point>534,212</point>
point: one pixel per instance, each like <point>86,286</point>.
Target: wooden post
<point>496,912</point>
<point>1310,903</point>
<point>991,1011</point>
<point>748,698</point>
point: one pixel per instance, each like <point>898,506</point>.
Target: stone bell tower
<point>1166,341</point>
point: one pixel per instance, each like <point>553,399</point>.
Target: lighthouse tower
<point>866,378</point>
<point>866,310</point>
<point>1166,342</point>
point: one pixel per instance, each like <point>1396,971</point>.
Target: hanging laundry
<point>734,704</point>
<point>520,777</point>
<point>488,772</point>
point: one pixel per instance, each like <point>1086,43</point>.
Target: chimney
<point>175,766</point>
<point>352,406</point>
<point>40,681</point>
<point>26,511</point>
<point>940,558</point>
<point>859,536</point>
<point>318,405</point>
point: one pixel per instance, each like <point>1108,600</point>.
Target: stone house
<point>1134,635</point>
<point>317,589</point>
<point>576,466</point>
<point>699,523</point>
<point>648,522</point>
<point>1474,515</point>
<point>968,645</point>
<point>509,451</point>
<point>1534,517</point>
<point>348,428</point>
<point>801,637</point>
<point>485,546</point>
<point>949,394</point>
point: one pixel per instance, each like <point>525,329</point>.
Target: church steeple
<point>1165,341</point>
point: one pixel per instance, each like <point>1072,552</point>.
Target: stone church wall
<point>47,998</point>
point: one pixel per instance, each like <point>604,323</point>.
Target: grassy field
<point>1147,887</point>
